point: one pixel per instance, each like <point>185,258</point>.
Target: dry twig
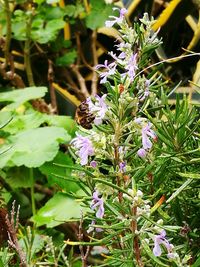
<point>12,226</point>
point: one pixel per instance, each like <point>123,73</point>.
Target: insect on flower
<point>83,116</point>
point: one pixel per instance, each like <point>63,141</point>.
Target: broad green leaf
<point>5,119</point>
<point>33,147</point>
<point>24,122</point>
<point>59,209</point>
<point>19,177</point>
<point>20,96</point>
<point>100,12</point>
<point>67,59</point>
<point>53,12</point>
<point>49,32</point>
<point>65,122</point>
<point>14,123</point>
<point>74,10</point>
<point>53,171</point>
<point>55,24</point>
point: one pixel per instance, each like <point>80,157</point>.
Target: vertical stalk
<point>116,156</point>
<point>27,47</point>
<point>136,247</point>
<point>87,7</point>
<point>95,62</point>
<point>32,192</point>
<point>51,87</point>
<point>8,33</point>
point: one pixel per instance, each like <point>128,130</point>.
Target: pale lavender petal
<point>122,166</point>
<point>110,23</point>
<point>142,153</point>
<point>84,148</point>
<point>156,249</point>
<point>146,142</point>
<point>93,164</point>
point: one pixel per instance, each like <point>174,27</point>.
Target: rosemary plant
<point>120,147</point>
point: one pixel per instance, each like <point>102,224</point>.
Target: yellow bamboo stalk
<point>165,15</point>
<point>73,99</point>
<point>67,33</point>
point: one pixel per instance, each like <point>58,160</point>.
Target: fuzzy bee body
<point>83,117</point>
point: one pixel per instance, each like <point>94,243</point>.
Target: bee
<point>83,117</point>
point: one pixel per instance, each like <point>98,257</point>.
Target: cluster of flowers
<point>124,68</point>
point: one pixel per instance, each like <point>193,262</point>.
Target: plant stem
<point>27,60</point>
<point>8,32</point>
<point>95,62</point>
<point>32,192</point>
<point>136,247</point>
<point>52,90</point>
<point>87,7</point>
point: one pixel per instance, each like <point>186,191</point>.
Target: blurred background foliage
<point>58,43</point>
<point>49,49</point>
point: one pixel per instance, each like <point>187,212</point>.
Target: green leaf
<point>50,169</point>
<point>74,10</point>
<point>5,119</point>
<point>99,14</point>
<point>49,32</point>
<point>67,59</point>
<point>24,122</point>
<point>52,1</point>
<point>197,263</point>
<point>37,243</point>
<point>53,12</point>
<point>59,209</point>
<point>65,122</point>
<point>55,25</point>
<point>19,177</point>
<point>189,175</point>
<point>20,96</point>
<point>33,147</point>
<point>179,190</point>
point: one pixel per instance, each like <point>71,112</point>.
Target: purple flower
<point>93,164</point>
<point>122,12</point>
<point>146,133</point>
<point>145,93</point>
<point>98,108</point>
<point>110,70</point>
<point>142,153</point>
<point>97,202</point>
<point>91,228</point>
<point>131,67</point>
<point>122,166</point>
<point>161,240</point>
<point>84,146</point>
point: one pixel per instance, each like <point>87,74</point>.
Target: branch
<point>81,81</point>
<point>52,91</point>
<point>8,33</point>
<point>15,79</point>
<point>12,227</point>
<point>27,60</point>
<point>85,255</point>
<point>136,246</point>
<point>80,53</point>
<point>95,62</point>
